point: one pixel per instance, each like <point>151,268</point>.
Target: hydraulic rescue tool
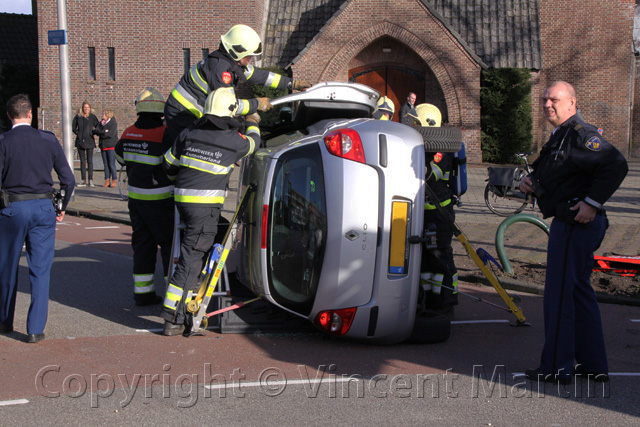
<point>197,306</point>
<point>510,301</point>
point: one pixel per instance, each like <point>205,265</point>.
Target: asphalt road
<point>104,362</point>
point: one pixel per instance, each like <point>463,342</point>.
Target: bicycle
<point>502,193</point>
<point>123,183</point>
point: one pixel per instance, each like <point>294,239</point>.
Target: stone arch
<point>338,62</point>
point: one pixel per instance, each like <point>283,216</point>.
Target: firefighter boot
<point>171,329</point>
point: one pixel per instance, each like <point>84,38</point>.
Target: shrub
<point>505,99</point>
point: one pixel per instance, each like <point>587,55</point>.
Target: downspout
<point>263,28</point>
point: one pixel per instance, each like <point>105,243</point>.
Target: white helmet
<point>221,102</point>
<point>240,41</point>
<point>386,104</point>
<point>150,100</point>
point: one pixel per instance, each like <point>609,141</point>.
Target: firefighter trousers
<point>438,263</point>
<point>201,225</point>
<point>151,227</point>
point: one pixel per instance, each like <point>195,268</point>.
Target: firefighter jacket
<point>577,163</point>
<point>141,148</point>
<point>220,70</point>
<point>438,175</point>
<point>202,158</point>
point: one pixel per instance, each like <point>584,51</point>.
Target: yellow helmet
<point>240,41</point>
<point>150,100</point>
<point>221,102</point>
<point>429,115</point>
<point>386,104</point>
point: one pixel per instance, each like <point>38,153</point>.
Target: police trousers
<point>572,322</point>
<point>31,223</point>
<point>201,225</point>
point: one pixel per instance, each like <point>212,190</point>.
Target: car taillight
<point>263,230</point>
<point>336,322</point>
<point>345,143</point>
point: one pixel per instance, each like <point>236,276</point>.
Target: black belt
<point>29,196</point>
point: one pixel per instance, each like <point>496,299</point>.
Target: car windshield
<point>298,228</point>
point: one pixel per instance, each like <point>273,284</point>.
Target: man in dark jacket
<point>201,161</point>
<point>226,67</point>
<point>27,215</point>
<point>576,173</point>
<point>406,108</point>
<point>141,148</point>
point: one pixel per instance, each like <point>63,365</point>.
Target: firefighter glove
<point>300,84</point>
<point>255,118</point>
<point>264,104</point>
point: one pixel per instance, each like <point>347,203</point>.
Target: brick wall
<point>410,23</point>
<point>148,37</point>
<point>588,44</point>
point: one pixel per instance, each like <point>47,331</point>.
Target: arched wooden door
<point>392,80</point>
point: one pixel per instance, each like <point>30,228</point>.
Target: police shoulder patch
<point>593,143</point>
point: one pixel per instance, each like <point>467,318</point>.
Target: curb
<point>100,216</point>
<point>532,288</point>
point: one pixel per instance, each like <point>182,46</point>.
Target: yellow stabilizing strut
<point>517,311</point>
<point>198,305</point>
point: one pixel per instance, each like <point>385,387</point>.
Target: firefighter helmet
<point>240,41</point>
<point>221,102</point>
<point>150,100</point>
<point>413,118</point>
<point>429,115</point>
<point>386,104</point>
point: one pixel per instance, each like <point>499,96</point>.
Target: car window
<point>297,228</point>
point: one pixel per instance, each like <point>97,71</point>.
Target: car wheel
<point>430,330</point>
<point>441,140</point>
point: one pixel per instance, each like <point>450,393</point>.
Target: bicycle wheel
<point>123,183</point>
<point>503,206</point>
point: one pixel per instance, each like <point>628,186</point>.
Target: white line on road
<point>635,320</point>
<point>13,402</point>
<point>460,322</point>
<point>611,374</point>
<point>272,384</point>
<point>103,242</point>
<point>99,228</point>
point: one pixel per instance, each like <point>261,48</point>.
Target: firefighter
<point>141,149</point>
<point>384,109</point>
<point>200,161</point>
<point>439,276</point>
<point>226,67</point>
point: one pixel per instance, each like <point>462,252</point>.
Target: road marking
<point>611,374</point>
<point>460,322</point>
<point>13,402</point>
<point>271,384</point>
<point>635,320</point>
<point>99,228</point>
<point>149,330</point>
<point>103,242</point>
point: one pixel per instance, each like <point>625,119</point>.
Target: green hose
<point>506,265</point>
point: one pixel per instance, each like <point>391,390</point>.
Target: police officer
<point>201,161</point>
<point>28,217</point>
<point>141,148</point>
<point>226,67</point>
<point>576,173</point>
<point>384,109</point>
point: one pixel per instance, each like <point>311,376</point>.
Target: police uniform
<point>201,160</point>
<point>219,69</point>
<point>576,164</point>
<point>141,148</point>
<point>438,270</point>
<point>27,156</point>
